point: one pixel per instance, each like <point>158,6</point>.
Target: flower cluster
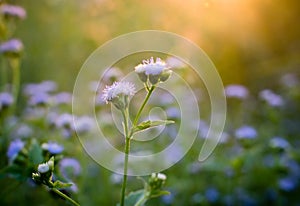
<point>153,71</point>
<point>119,93</point>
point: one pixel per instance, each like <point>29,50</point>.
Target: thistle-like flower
<point>154,71</point>
<point>119,93</point>
<point>13,47</point>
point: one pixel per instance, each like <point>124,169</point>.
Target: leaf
<point>35,153</point>
<point>148,124</point>
<point>135,197</point>
<point>60,185</point>
<point>160,193</point>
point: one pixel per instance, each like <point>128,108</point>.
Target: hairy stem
<point>65,196</point>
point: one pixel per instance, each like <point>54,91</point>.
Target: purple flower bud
<point>6,99</point>
<point>53,147</point>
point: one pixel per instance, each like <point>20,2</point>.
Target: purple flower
<point>39,99</point>
<point>43,87</point>
<point>289,80</point>
<point>271,98</point>
<point>63,98</point>
<point>236,91</point>
<point>279,142</point>
<point>13,46</point>
<point>6,99</point>
<point>211,195</point>
<point>83,124</point>
<point>53,147</point>
<point>287,184</point>
<point>14,148</point>
<point>13,11</point>
<point>245,132</point>
<point>64,121</point>
<point>69,167</point>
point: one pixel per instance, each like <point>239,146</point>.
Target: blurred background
<point>254,43</point>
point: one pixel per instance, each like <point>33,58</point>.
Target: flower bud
<point>165,75</point>
<point>154,79</point>
<point>43,168</point>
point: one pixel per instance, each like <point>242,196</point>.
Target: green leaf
<point>136,198</point>
<point>60,185</point>
<point>160,193</point>
<point>35,153</point>
<point>148,124</point>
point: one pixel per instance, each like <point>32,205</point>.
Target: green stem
<point>142,107</point>
<point>142,200</point>
<point>65,196</point>
<point>125,114</point>
<point>15,66</point>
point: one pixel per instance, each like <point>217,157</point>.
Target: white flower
<point>118,89</point>
<point>245,132</point>
<point>150,67</point>
<point>155,71</point>
<point>271,98</point>
<point>43,168</point>
<point>237,91</point>
<point>160,176</point>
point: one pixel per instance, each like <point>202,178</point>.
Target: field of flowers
<point>43,161</point>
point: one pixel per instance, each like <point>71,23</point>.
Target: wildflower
<point>245,132</point>
<point>154,71</point>
<point>212,194</point>
<point>156,181</point>
<point>14,148</point>
<point>53,147</point>
<point>12,47</point>
<point>271,98</point>
<point>43,87</point>
<point>63,98</point>
<point>39,99</point>
<point>236,91</point>
<point>6,99</point>
<point>83,124</point>
<point>118,93</point>
<point>64,121</point>
<point>43,168</point>
<point>13,11</point>
<point>287,183</point>
<point>69,167</point>
<point>175,62</point>
<point>112,74</point>
<point>280,143</point>
<point>289,80</point>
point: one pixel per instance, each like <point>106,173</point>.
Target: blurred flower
<point>6,99</point>
<point>173,112</point>
<point>211,195</point>
<point>116,178</point>
<point>280,143</point>
<point>69,168</point>
<point>197,198</point>
<point>53,147</point>
<point>245,132</point>
<point>119,94</point>
<point>22,131</point>
<point>271,98</point>
<point>83,124</point>
<point>236,91</point>
<point>43,168</point>
<point>112,74</point>
<point>14,148</point>
<point>39,99</point>
<point>64,120</point>
<point>63,98</point>
<point>289,80</point>
<point>168,199</point>
<point>174,62</point>
<point>287,184</point>
<point>12,47</point>
<point>155,71</point>
<point>13,11</point>
<point>43,87</point>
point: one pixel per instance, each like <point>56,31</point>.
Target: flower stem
<point>125,114</point>
<point>15,66</point>
<point>65,196</point>
<point>143,105</point>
